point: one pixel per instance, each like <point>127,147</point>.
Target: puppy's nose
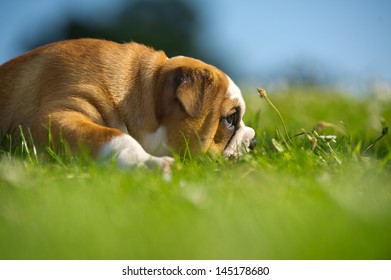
<point>253,143</point>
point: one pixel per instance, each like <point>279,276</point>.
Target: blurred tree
<point>303,71</point>
<point>166,25</point>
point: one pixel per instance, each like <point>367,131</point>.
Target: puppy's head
<point>201,107</point>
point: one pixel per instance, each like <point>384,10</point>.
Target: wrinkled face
<point>241,135</point>
<point>201,108</point>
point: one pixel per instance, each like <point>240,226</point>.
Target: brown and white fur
<point>122,100</point>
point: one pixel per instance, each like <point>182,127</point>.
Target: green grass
<point>295,202</point>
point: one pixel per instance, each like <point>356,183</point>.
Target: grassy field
<point>306,197</point>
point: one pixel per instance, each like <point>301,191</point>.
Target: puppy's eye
<point>231,121</point>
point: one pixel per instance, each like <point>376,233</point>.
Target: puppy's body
<point>122,99</point>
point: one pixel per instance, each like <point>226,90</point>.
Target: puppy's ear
<point>190,87</point>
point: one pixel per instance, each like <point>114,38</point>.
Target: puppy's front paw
<point>129,153</point>
<point>164,163</point>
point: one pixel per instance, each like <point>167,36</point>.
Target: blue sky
<point>351,39</point>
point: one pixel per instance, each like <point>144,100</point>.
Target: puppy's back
<point>43,74</point>
<point>47,76</point>
<point>18,89</point>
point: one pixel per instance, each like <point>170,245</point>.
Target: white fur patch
<point>127,151</point>
<point>234,93</point>
<point>243,135</point>
<point>240,142</point>
<point>155,142</point>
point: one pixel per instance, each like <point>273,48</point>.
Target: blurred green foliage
<point>291,203</point>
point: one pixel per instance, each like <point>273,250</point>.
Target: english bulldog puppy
<point>126,101</point>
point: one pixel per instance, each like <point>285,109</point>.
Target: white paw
<point>128,153</point>
<point>164,163</point>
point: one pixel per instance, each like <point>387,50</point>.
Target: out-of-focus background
<point>344,44</point>
<point>326,65</point>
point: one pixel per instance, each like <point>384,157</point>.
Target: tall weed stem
<point>262,94</point>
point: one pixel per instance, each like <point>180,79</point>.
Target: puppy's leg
<point>102,142</point>
<point>130,153</point>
